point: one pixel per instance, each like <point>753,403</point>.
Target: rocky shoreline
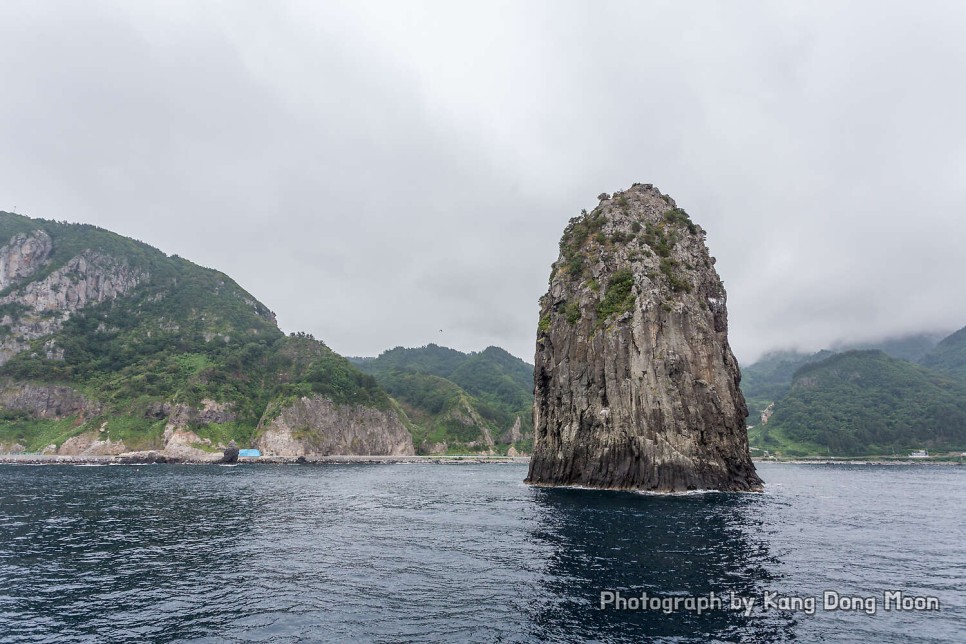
<point>150,458</point>
<point>859,461</point>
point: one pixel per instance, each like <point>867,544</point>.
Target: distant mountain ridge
<point>948,356</point>
<point>912,347</point>
<point>859,402</point>
<point>459,401</point>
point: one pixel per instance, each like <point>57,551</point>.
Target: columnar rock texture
<point>636,386</point>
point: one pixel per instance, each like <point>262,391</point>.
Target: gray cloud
<point>377,172</point>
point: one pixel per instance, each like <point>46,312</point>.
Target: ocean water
<point>423,552</point>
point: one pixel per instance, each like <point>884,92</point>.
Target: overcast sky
<point>384,174</point>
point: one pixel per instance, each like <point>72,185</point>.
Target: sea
<point>469,553</point>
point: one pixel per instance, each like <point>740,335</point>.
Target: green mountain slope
<point>770,378</point>
<point>865,402</point>
<point>458,401</point>
<point>136,342</point>
<point>910,347</point>
<point>949,356</point>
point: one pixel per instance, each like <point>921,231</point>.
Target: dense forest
<point>861,402</point>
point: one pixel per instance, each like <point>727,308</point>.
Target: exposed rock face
<point>318,427</point>
<point>636,386</point>
<point>184,445</point>
<point>23,255</point>
<point>180,442</point>
<point>181,415</point>
<point>42,306</point>
<point>429,448</point>
<point>90,444</point>
<point>469,418</point>
<point>513,434</point>
<point>46,401</point>
<point>231,453</point>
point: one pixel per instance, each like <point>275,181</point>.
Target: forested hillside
<point>860,403</point>
<point>459,401</point>
<point>106,337</point>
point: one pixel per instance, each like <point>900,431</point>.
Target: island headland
<point>113,351</point>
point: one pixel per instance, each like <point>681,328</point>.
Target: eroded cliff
<point>636,386</point>
<point>32,308</point>
<point>317,426</point>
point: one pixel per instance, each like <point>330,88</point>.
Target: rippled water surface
<point>466,553</point>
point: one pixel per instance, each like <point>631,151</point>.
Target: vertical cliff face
<point>23,255</point>
<point>45,401</point>
<point>318,427</point>
<point>38,308</point>
<point>636,386</point>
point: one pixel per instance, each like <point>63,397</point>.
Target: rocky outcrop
<point>41,307</point>
<point>23,255</point>
<point>180,415</point>
<point>91,444</point>
<point>465,415</point>
<point>88,278</point>
<point>184,445</point>
<point>513,434</point>
<point>180,442</point>
<point>636,385</point>
<point>318,427</point>
<point>465,423</point>
<point>427,448</point>
<point>46,401</point>
<point>230,454</point>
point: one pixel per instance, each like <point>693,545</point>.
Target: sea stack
<point>636,387</point>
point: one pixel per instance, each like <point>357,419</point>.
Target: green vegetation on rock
<point>619,296</point>
<point>578,231</point>
<point>184,334</point>
<point>679,217</point>
<point>572,312</point>
<point>457,398</point>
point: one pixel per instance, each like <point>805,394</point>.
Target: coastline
<point>149,458</point>
<point>856,461</point>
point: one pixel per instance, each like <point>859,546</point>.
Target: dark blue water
<point>466,553</point>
